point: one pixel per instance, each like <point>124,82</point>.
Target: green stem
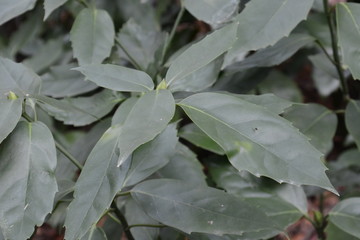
<point>172,34</point>
<point>122,194</point>
<point>325,52</point>
<point>147,225</point>
<point>334,44</point>
<point>84,3</point>
<point>132,60</point>
<point>114,218</point>
<point>123,221</point>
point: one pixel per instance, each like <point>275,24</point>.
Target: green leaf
<point>17,78</point>
<point>346,216</point>
<point>152,156</point>
<point>273,55</point>
<point>95,233</point>
<point>315,121</point>
<point>42,59</point>
<point>157,108</point>
<point>212,12</point>
<point>199,80</point>
<point>202,53</point>
<point>135,215</point>
<point>92,36</point>
<point>60,82</point>
<point>205,209</point>
<point>335,233</point>
<point>256,140</point>
<point>269,101</point>
<point>264,23</point>
<point>140,43</point>
<point>10,9</point>
<point>97,185</point>
<point>186,160</point>
<point>193,134</point>
<point>325,75</point>
<point>81,111</point>
<point>348,21</point>
<point>118,78</point>
<point>10,115</point>
<point>51,5</point>
<point>352,116</point>
<point>28,184</point>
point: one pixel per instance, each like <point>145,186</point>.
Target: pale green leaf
<point>202,53</point>
<point>10,115</point>
<point>92,36</point>
<point>135,215</point>
<point>149,116</point>
<point>197,208</point>
<point>10,8</point>
<point>97,185</point>
<point>186,160</point>
<point>315,121</point>
<point>95,233</point>
<point>81,111</point>
<point>346,216</point>
<point>51,5</point>
<point>117,78</point>
<point>193,134</point>
<point>61,81</point>
<point>335,233</point>
<point>152,156</point>
<point>273,55</point>
<point>28,184</point>
<point>140,43</point>
<point>352,117</point>
<point>212,12</point>
<point>348,26</point>
<point>17,78</point>
<point>256,140</point>
<point>264,23</point>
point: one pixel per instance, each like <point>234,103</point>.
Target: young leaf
<point>316,122</point>
<point>117,78</point>
<point>92,36</point>
<point>352,116</point>
<point>97,185</point>
<point>264,23</point>
<point>346,216</point>
<point>198,208</point>
<point>257,140</point>
<point>17,78</point>
<point>212,12</point>
<point>51,5</point>
<point>202,53</point>
<point>348,25</point>
<point>152,156</point>
<point>10,115</point>
<point>28,184</point>
<point>10,9</point>
<point>149,116</point>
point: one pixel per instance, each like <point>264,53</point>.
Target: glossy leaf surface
<point>256,140</point>
<point>28,180</point>
<point>92,36</point>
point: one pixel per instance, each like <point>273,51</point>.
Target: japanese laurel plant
<point>178,120</point>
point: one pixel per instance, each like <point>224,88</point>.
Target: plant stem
<point>84,3</point>
<point>147,225</point>
<point>325,52</point>
<point>121,194</point>
<point>334,44</point>
<point>123,221</point>
<point>132,60</point>
<point>172,34</point>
